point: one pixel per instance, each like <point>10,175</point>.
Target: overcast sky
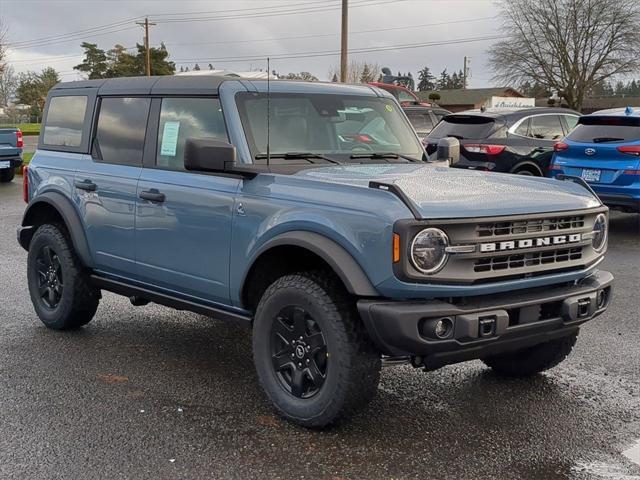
<point>237,34</point>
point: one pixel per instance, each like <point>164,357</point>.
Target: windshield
<point>335,126</point>
<point>603,129</point>
<point>463,126</point>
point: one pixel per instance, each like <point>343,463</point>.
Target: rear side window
<point>572,121</point>
<point>606,129</point>
<point>120,133</point>
<point>546,127</point>
<point>65,121</point>
<point>183,118</point>
<point>421,122</point>
<point>463,126</point>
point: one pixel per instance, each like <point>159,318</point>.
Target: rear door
<point>106,184</point>
<point>596,150</point>
<point>183,219</point>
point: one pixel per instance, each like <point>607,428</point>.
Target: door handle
<point>152,195</point>
<point>87,185</point>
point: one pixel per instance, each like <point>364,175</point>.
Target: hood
<point>441,192</point>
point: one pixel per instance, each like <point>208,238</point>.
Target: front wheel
<point>58,283</point>
<point>532,360</point>
<point>312,354</point>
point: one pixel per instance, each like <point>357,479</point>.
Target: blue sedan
<point>604,150</point>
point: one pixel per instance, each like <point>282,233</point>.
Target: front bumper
<point>487,325</point>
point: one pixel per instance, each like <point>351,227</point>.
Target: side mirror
<point>448,150</point>
<point>204,155</point>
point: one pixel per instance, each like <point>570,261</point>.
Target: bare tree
<point>8,85</point>
<point>567,45</point>
<point>3,46</point>
<point>358,71</point>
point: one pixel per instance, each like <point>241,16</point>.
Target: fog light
<point>601,299</point>
<point>443,328</point>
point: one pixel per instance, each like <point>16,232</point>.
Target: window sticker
<point>170,139</point>
<point>389,108</point>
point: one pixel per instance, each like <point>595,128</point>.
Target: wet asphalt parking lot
<point>153,393</point>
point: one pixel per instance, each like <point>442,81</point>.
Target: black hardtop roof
<point>163,85</point>
<point>513,113</point>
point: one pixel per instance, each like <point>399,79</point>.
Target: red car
<point>404,96</point>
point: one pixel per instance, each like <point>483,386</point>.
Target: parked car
<point>173,190</point>
<point>11,143</point>
<point>404,96</point>
<point>424,118</point>
<point>507,140</point>
<point>604,150</point>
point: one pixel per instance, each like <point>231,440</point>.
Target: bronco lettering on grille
<point>530,243</point>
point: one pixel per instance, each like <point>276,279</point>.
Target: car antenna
<point>268,112</point>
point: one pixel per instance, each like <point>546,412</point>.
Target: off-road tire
<point>7,174</point>
<point>532,360</point>
<point>79,300</point>
<point>353,364</point>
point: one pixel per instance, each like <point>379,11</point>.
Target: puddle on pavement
<point>633,453</point>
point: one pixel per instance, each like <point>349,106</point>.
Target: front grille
<point>538,225</point>
<point>529,259</point>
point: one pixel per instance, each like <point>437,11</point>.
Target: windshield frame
<point>342,157</point>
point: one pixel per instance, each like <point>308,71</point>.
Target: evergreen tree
<point>426,81</point>
<point>196,67</point>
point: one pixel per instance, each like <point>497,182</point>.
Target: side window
<point>421,122</point>
<point>65,121</point>
<point>546,127</point>
<point>122,124</point>
<point>572,121</point>
<point>523,128</point>
<point>182,118</point>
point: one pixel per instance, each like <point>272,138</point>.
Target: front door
<point>183,219</point>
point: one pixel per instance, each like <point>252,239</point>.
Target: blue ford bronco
<point>308,212</point>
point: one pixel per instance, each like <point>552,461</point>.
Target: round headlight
<point>428,253</point>
<point>599,238</point>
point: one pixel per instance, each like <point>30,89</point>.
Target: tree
<point>300,76</point>
<point>426,81</point>
<point>334,79</point>
<point>33,88</point>
<point>434,96</point>
<point>355,69</point>
<point>94,63</point>
<point>3,34</point>
<point>567,45</point>
<point>444,82</point>
<point>210,66</point>
<point>196,67</point>
<point>8,85</point>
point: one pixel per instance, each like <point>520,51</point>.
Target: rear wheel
<point>528,173</point>
<point>313,356</point>
<point>7,174</point>
<point>58,283</point>
<point>532,360</point>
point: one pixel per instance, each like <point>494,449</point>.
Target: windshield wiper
<point>376,155</point>
<point>607,139</point>
<point>297,155</point>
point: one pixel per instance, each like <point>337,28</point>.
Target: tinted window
<point>421,122</point>
<point>463,126</point>
<point>546,127</point>
<point>606,129</point>
<point>122,123</point>
<point>65,120</point>
<point>571,120</point>
<point>523,128</point>
<point>403,96</point>
<point>182,118</point>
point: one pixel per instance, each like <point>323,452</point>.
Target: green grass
<point>26,128</point>
<point>26,158</point>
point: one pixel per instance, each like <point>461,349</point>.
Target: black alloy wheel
<point>50,280</point>
<point>298,352</point>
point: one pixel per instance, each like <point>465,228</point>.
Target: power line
<point>327,53</point>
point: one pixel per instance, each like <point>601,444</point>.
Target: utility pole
<point>146,24</point>
<point>465,73</point>
<point>344,37</point>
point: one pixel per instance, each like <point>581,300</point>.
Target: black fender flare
<point>70,217</point>
<point>341,261</point>
<point>527,163</point>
